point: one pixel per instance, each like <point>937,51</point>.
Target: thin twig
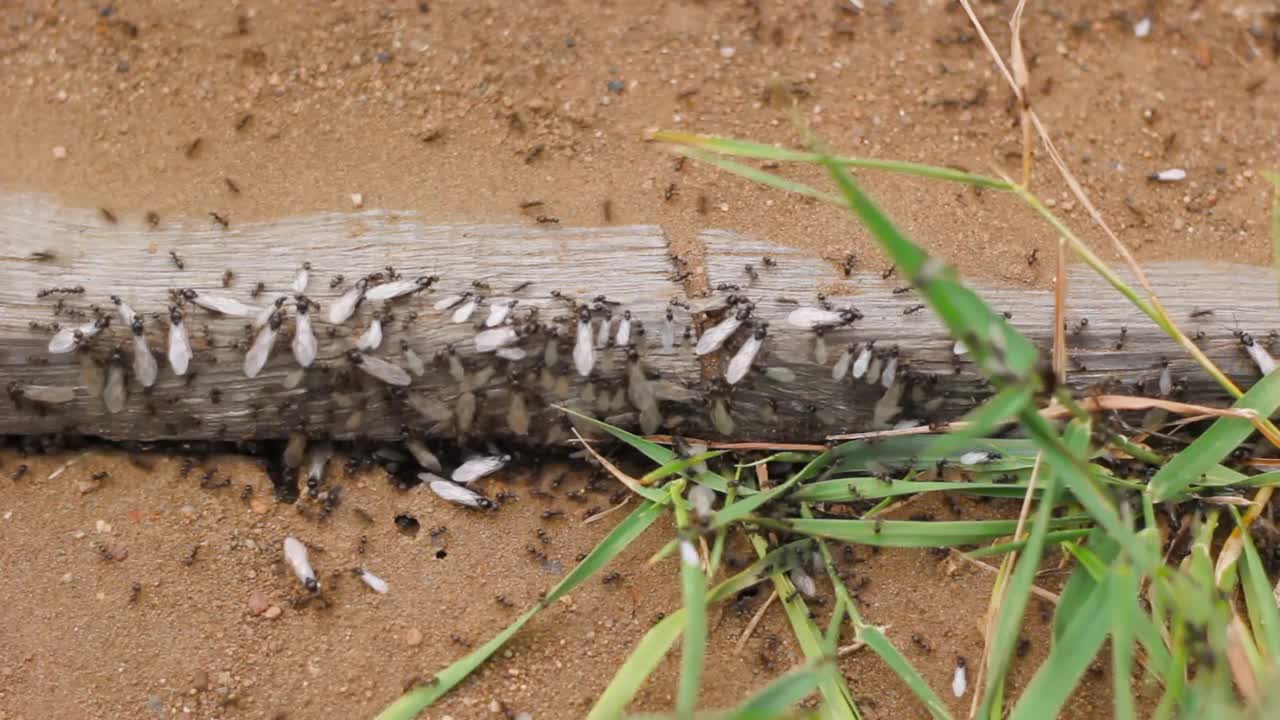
<point>755,620</point>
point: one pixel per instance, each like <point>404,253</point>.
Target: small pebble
<point>413,638</point>
<point>59,153</point>
<point>273,612</point>
<point>357,200</point>
<point>122,66</point>
<point>68,578</point>
<point>728,51</point>
<point>258,602</point>
<point>102,526</point>
<point>616,86</point>
<point>87,486</point>
<point>1142,28</point>
<point>382,58</point>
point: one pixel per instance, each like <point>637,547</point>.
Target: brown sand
<point>482,106</point>
<point>515,99</point>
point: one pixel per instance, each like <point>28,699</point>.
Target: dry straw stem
<point>1155,309</point>
<point>1002,581</point>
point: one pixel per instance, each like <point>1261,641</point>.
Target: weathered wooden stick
<point>547,270</point>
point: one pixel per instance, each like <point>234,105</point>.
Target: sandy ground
<point>148,596</point>
<point>464,111</point>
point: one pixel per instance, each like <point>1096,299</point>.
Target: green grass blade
<point>1075,475</point>
<point>871,488</point>
<point>1001,409</point>
<point>1217,442</point>
<point>678,466</point>
<point>1264,616</point>
<point>760,151</point>
<point>763,177</point>
<point>1084,580</point>
<point>412,702</point>
<point>837,698</point>
<point>993,343</point>
<point>653,451</point>
<point>1053,683</point>
<point>879,643</point>
<point>639,665</point>
<point>907,533</point>
<point>1056,536</point>
<point>743,508</point>
<point>693,583</point>
<point>1017,592</point>
<point>1124,610</point>
<point>778,697</point>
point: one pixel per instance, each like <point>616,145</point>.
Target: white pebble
<point>357,200</point>
<point>1142,28</point>
<point>728,51</point>
<point>59,152</point>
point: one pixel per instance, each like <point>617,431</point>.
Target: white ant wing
<point>812,317</point>
<point>602,335</point>
<point>374,582</point>
<point>259,351</point>
<point>862,363</point>
<point>841,368</point>
<point>113,393</point>
<point>511,353</point>
<point>623,338</point>
<point>712,339</point>
<point>668,334</point>
<point>1261,357</point>
<point>498,312</point>
<point>144,363</point>
<point>457,494</point>
<point>584,353</point>
<point>803,581</point>
<point>345,306</point>
<point>959,682</point>
<point>780,374</point>
<point>476,468</point>
<point>743,359</point>
<point>1166,381</point>
<point>49,394</point>
<point>304,340</point>
<point>430,408</point>
<point>702,498</point>
<point>295,553</point>
<point>423,455</point>
<point>464,311</point>
<point>499,337</point>
<point>371,338</point>
<point>413,362</point>
<point>64,341</point>
<point>975,457</point>
<point>179,348</point>
<point>126,313</point>
<point>890,371</point>
<point>301,279</point>
<point>391,290</point>
<point>518,414</point>
<point>387,372</point>
<point>447,302</point>
<point>226,306</point>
